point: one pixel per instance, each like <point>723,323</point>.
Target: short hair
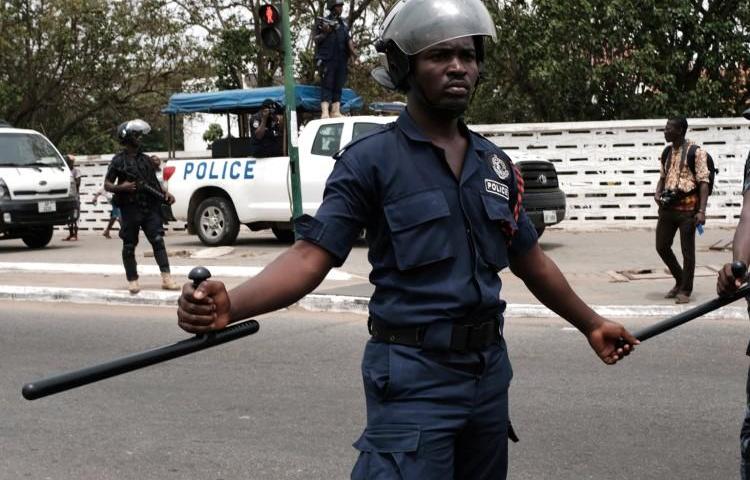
<point>680,122</point>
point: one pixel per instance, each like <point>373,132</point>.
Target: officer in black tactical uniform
<point>334,48</point>
<point>131,176</point>
<point>726,284</point>
<point>267,131</point>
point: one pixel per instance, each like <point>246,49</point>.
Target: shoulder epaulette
<point>375,131</point>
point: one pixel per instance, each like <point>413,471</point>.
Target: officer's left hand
<point>700,218</point>
<point>604,339</point>
<point>170,198</point>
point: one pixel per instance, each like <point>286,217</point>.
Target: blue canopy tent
<point>247,101</point>
<point>307,98</point>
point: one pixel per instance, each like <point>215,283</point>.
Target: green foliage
<point>233,52</point>
<point>74,69</point>
<point>213,133</point>
<point>572,60</point>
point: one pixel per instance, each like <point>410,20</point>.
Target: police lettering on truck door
<point>219,170</point>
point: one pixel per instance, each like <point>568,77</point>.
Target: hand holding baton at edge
<point>739,270</point>
<point>78,378</point>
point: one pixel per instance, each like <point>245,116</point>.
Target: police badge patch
<point>499,166</point>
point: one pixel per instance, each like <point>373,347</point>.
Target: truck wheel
<point>540,230</point>
<point>283,235</point>
<point>38,237</point>
<point>216,222</point>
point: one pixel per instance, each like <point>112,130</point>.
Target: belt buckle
<point>460,335</point>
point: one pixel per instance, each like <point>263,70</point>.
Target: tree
<point>74,69</point>
<point>213,133</point>
<point>558,60</point>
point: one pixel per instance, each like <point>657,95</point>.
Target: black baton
<point>738,270</point>
<point>84,376</point>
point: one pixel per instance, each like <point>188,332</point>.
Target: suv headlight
<point>4,192</point>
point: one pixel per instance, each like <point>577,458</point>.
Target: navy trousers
<point>434,415</point>
<point>332,81</point>
<point>134,219</point>
<point>745,437</point>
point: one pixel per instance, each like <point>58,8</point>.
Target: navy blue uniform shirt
<point>436,243</point>
<point>333,47</point>
<point>271,145</point>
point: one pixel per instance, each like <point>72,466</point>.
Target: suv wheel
<point>283,235</point>
<point>216,222</point>
<point>38,237</point>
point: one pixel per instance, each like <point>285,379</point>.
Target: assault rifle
<point>328,22</point>
<point>143,186</point>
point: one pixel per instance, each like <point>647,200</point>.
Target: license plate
<point>47,206</point>
<point>550,216</point>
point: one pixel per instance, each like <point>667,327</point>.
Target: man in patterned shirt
<point>681,193</point>
<point>726,284</point>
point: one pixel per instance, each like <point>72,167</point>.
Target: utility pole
<point>281,40</point>
<point>291,112</point>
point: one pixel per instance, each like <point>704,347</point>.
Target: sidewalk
<point>89,271</point>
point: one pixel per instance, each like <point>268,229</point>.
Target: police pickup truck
<point>215,196</point>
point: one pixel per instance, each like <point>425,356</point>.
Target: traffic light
<point>270,27</point>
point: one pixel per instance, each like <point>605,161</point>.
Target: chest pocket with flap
<point>419,225</point>
<point>493,243</point>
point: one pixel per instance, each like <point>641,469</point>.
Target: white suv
<point>36,188</point>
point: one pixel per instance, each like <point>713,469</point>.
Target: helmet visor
<point>137,127</point>
<point>415,25</point>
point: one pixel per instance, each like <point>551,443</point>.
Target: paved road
<point>586,258</point>
<point>287,403</point>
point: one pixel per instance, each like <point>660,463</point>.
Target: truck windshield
<point>24,149</point>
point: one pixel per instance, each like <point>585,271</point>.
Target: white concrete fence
<point>608,170</point>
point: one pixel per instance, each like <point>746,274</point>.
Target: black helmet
<point>132,129</point>
<point>333,3</point>
<point>746,114</point>
<point>415,25</point>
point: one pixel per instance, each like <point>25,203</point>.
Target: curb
<point>329,303</point>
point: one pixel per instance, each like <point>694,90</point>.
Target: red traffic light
<point>269,14</point>
<point>270,27</point>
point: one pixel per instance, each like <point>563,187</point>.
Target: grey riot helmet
<point>333,3</point>
<point>132,130</point>
<point>416,25</point>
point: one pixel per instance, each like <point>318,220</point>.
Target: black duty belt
<point>465,337</point>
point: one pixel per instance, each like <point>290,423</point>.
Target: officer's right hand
<point>727,283</point>
<point>203,309</point>
<point>128,187</point>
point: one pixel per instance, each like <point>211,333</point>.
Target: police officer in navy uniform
<point>131,176</point>
<point>266,131</point>
<point>334,48</point>
<point>726,284</point>
<point>442,209</point>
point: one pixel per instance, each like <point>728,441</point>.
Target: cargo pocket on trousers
<point>386,451</point>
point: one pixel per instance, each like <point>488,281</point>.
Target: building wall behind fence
<point>608,170</point>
